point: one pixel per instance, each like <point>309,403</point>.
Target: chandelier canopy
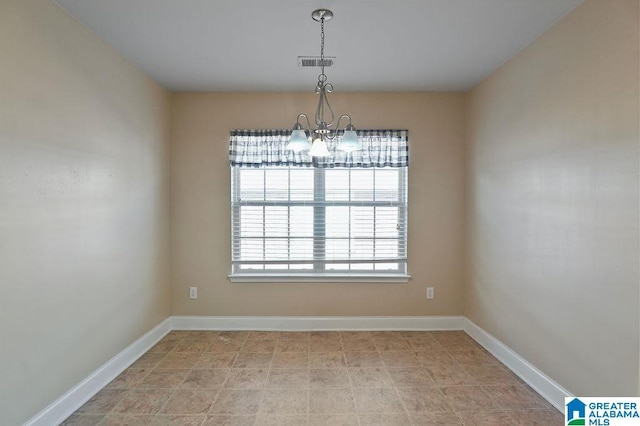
<point>323,131</point>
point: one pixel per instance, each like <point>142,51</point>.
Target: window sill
<point>315,278</point>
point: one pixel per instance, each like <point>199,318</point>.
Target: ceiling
<point>379,45</point>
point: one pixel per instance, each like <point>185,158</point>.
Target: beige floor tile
<point>424,399</point>
<point>468,398</point>
<point>400,359</point>
<point>424,344</point>
<point>435,358</point>
<point>201,335</point>
<point>290,360</point>
<point>177,334</point>
<point>292,345</point>
<point>142,401</point>
<point>450,376</point>
<point>253,360</point>
<point>391,334</point>
<point>226,420</point>
<point>326,359</point>
<point>332,420</point>
<point>473,356</point>
<point>246,378</point>
<point>281,420</point>
<point>395,419</point>
<point>325,335</point>
<point>410,377</point>
<point>285,401</point>
<point>331,401</point>
<point>77,419</point>
<point>537,418</point>
<point>127,420</point>
<point>232,335</point>
<point>263,335</point>
<point>191,346</point>
<point>375,377</point>
<point>235,402</point>
<point>149,360</point>
<point>377,400</point>
<point>363,359</point>
<point>486,418</point>
<point>328,378</point>
<point>216,360</point>
<point>435,419</point>
<point>102,402</point>
<point>288,378</point>
<point>408,334</point>
<point>294,335</point>
<point>177,360</point>
<point>492,374</point>
<point>358,345</point>
<point>212,378</point>
<point>516,398</point>
<point>177,420</point>
<point>225,345</point>
<point>334,345</point>
<point>258,346</point>
<point>463,344</point>
<point>357,334</point>
<point>391,345</point>
<point>190,401</point>
<point>129,378</point>
<point>456,340</point>
<point>164,346</point>
<point>163,378</point>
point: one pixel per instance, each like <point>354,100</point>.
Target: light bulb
<point>298,141</point>
<point>349,141</point>
<point>319,149</point>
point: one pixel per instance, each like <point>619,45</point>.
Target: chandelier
<point>323,131</point>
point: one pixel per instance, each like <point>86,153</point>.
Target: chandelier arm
<point>334,132</point>
<point>340,119</point>
<point>302,114</point>
<point>322,90</point>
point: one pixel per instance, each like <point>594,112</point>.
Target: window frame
<point>319,273</point>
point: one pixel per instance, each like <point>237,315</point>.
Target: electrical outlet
<point>193,292</point>
<point>430,294</point>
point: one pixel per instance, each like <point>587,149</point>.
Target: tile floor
<point>317,378</point>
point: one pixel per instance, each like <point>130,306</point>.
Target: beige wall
<point>200,213</point>
<point>553,170</point>
<point>84,265</point>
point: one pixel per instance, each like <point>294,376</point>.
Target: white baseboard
<point>318,323</point>
<point>64,406</point>
<point>541,383</point>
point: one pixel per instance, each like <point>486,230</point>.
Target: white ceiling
<point>380,45</point>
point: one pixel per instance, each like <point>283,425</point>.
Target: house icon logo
<point>575,412</point>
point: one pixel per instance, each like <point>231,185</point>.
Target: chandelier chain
<point>322,77</point>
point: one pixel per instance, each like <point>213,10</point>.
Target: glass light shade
<point>298,141</point>
<point>349,141</point>
<point>319,149</point>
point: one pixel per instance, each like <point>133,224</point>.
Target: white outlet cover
<point>430,293</point>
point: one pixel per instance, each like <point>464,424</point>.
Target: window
<point>291,221</point>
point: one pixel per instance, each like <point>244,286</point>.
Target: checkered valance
<point>257,148</point>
